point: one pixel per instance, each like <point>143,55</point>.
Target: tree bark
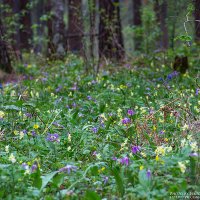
<point>161,14</point>
<point>58,28</point>
<point>197,23</point>
<point>25,20</point>
<point>5,62</point>
<point>110,35</point>
<point>137,22</point>
<point>75,26</point>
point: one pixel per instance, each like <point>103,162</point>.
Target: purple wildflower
<point>33,133</point>
<point>124,161</point>
<point>58,88</point>
<point>53,137</point>
<point>89,98</point>
<point>25,166</point>
<point>34,167</point>
<point>135,149</point>
<point>130,112</point>
<point>114,158</point>
<point>68,169</point>
<point>197,91</point>
<point>95,129</point>
<point>94,153</point>
<point>126,121</point>
<point>105,180</point>
<point>193,154</point>
<point>148,174</point>
<point>29,115</point>
<point>162,132</point>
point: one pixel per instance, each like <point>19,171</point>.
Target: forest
<point>99,99</point>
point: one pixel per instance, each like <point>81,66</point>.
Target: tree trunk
<point>50,45</point>
<point>75,27</point>
<point>110,35</point>
<point>137,22</point>
<point>5,62</point>
<point>92,13</point>
<point>161,14</point>
<point>25,20</point>
<point>58,28</point>
<point>197,23</point>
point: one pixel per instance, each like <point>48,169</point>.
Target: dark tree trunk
<point>161,14</point>
<point>50,45</point>
<point>110,35</point>
<point>25,20</point>
<point>5,62</point>
<point>15,37</point>
<point>197,23</point>
<point>92,10</point>
<point>58,28</point>
<point>137,22</point>
<point>75,28</point>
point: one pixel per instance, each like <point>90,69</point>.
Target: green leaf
<point>12,107</point>
<point>37,181</point>
<point>91,195</point>
<point>46,179</point>
<point>4,165</point>
<point>119,180</point>
<point>143,179</point>
<point>58,179</point>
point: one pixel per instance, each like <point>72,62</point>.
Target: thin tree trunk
<point>110,36</point>
<point>137,22</point>
<point>92,13</point>
<point>197,23</point>
<point>58,28</point>
<point>161,14</point>
<point>5,62</point>
<point>25,20</point>
<point>75,26</point>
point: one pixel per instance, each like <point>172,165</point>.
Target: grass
<point>129,134</point>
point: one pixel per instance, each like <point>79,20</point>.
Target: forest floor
<point>129,134</point>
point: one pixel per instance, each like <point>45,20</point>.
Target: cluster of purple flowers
<point>95,129</point>
<point>135,149</point>
<point>172,75</point>
<point>33,168</point>
<point>130,112</point>
<point>68,169</point>
<point>126,121</point>
<point>53,137</point>
<point>124,160</point>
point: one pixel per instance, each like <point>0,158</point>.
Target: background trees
<point>56,28</point>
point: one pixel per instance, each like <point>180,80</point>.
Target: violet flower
<point>124,161</point>
<point>130,112</point>
<point>68,169</point>
<point>53,137</point>
<point>135,149</point>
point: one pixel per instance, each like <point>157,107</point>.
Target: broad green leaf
<point>119,180</point>
<point>46,179</point>
<point>91,195</point>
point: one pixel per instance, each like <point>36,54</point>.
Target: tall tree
<point>197,22</point>
<point>110,35</point>
<point>75,26</point>
<point>5,62</point>
<point>25,20</point>
<point>161,14</point>
<point>58,28</point>
<point>92,16</point>
<point>137,22</point>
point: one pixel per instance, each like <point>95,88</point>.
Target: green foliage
<point>64,134</point>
